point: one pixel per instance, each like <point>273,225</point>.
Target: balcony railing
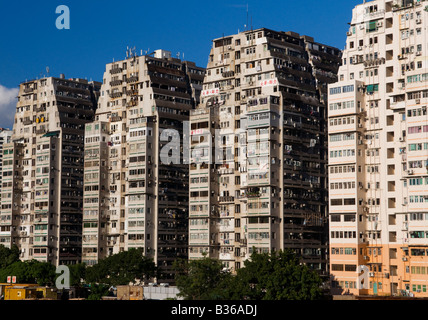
<point>116,83</point>
<point>116,70</point>
<point>226,199</point>
<point>132,79</point>
<point>115,94</point>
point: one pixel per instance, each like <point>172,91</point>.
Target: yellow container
<point>20,293</point>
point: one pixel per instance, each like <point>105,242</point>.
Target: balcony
<point>115,94</point>
<point>226,199</point>
<point>116,70</point>
<point>132,92</point>
<point>253,194</point>
<point>40,109</point>
<point>115,118</point>
<point>226,171</point>
<point>132,79</point>
<point>228,74</point>
<point>115,83</point>
<point>132,103</point>
<point>42,219</point>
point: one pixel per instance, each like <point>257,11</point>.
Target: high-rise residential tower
<point>258,138</point>
<point>5,136</point>
<point>42,171</point>
<point>378,153</point>
<point>134,197</point>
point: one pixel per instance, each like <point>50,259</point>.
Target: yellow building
<point>27,291</point>
<point>130,293</point>
<point>47,293</point>
<point>20,292</point>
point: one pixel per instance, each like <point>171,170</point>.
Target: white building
<point>378,152</point>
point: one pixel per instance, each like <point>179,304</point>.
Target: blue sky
<point>100,31</point>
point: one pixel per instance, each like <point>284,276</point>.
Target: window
<point>371,26</point>
<point>336,90</point>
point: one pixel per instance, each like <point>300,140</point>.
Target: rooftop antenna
<point>132,52</point>
<point>178,55</point>
<point>246,26</point>
<point>47,70</point>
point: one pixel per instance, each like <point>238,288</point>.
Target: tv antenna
<point>246,26</point>
<point>130,52</point>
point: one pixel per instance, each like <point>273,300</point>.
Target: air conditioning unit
<point>379,24</point>
<point>366,258</point>
<point>418,53</point>
<point>360,125</point>
<point>409,172</point>
<point>371,274</point>
<point>418,101</point>
<point>404,259</point>
<point>419,20</point>
<point>349,33</point>
<point>360,48</point>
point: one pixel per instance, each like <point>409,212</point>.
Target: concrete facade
<point>258,139</point>
<point>378,153</point>
<point>42,171</point>
<point>132,198</point>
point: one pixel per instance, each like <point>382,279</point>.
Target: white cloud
<point>8,102</point>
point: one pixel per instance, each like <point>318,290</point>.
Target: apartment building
<point>378,156</point>
<point>258,172</point>
<point>133,197</point>
<point>42,172</point>
<point>5,136</point>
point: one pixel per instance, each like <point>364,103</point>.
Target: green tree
<point>42,273</point>
<point>8,256</point>
<point>77,274</point>
<point>96,292</point>
<point>202,279</point>
<point>276,276</point>
<point>121,268</point>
